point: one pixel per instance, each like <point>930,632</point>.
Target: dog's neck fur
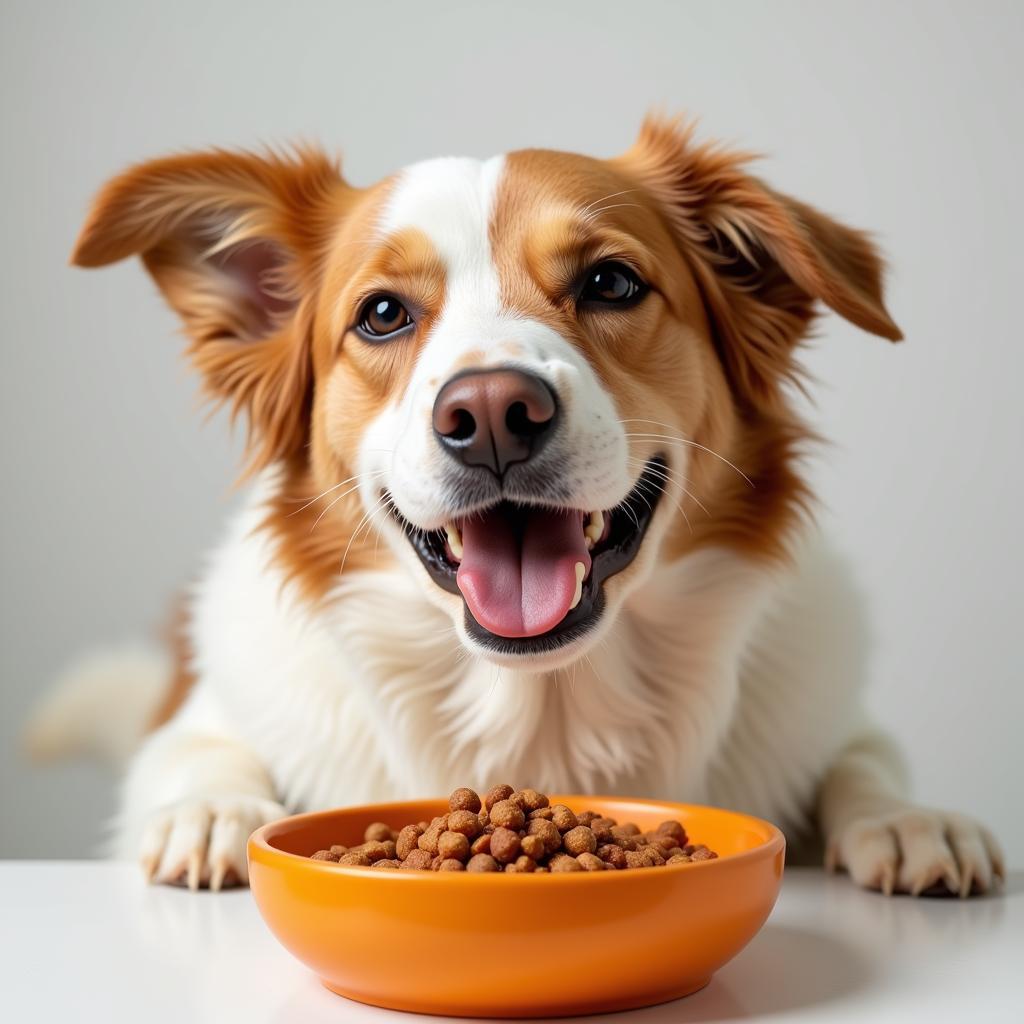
<point>641,713</point>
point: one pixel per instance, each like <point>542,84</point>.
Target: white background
<point>902,118</point>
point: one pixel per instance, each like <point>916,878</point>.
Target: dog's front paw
<point>917,851</point>
<point>201,843</point>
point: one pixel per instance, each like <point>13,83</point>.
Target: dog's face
<point>539,376</point>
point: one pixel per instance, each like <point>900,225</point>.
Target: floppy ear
<point>235,243</point>
<point>761,258</point>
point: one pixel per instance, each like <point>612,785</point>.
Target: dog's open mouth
<point>532,576</point>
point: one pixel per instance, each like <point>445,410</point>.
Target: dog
<point>525,502</point>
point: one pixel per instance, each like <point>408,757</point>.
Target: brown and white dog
<point>526,504</point>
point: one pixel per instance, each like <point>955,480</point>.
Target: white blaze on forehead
<point>450,200</point>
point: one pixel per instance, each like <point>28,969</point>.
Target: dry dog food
<point>517,830</point>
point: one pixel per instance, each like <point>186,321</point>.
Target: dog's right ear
<point>235,241</point>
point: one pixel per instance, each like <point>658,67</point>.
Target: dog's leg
<point>191,800</point>
<point>886,843</point>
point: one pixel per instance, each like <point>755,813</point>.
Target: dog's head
<point>540,376</point>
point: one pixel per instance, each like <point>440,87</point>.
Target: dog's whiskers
<point>679,439</point>
<point>312,501</point>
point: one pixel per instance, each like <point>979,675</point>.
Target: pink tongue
<point>519,576</point>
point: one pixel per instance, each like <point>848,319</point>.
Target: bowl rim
<point>259,847</point>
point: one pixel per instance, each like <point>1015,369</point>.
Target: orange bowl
<point>496,945</point>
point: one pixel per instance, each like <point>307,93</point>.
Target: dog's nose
<point>494,418</point>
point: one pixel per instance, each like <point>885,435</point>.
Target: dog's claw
<point>888,879</point>
<point>195,868</point>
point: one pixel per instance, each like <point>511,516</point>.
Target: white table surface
<point>88,941</point>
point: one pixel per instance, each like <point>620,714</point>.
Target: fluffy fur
<point>320,665</point>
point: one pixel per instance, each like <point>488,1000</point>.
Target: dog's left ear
<point>762,259</point>
<point>235,241</point>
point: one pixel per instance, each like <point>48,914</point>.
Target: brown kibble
<point>505,845</point>
<point>547,833</point>
<point>482,844</point>
<point>675,830</point>
<point>354,859</point>
<point>579,840</point>
<point>517,831</point>
<point>418,860</point>
<point>453,846</point>
<point>464,799</point>
<point>406,841</point>
<point>373,851</point>
<point>466,822</point>
<point>529,800</point>
<point>614,855</point>
<point>533,847</point>
<point>496,794</point>
<point>562,818</point>
<point>565,864</point>
<point>428,841</point>
<point>506,814</point>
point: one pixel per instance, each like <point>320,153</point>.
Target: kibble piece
<point>652,855</point>
<point>353,859</point>
<point>328,855</point>
<point>418,860</point>
<point>525,864</point>
<point>505,845</point>
<point>482,862</point>
<point>562,818</point>
<point>464,821</point>
<point>630,828</point>
<point>565,864</point>
<point>541,812</point>
<point>602,828</point>
<point>372,851</point>
<point>339,850</point>
<point>675,830</point>
<point>496,794</point>
<point>615,855</point>
<point>547,833</point>
<point>590,862</point>
<point>587,817</point>
<point>506,814</point>
<point>435,863</point>
<point>451,864</point>
<point>378,832</point>
<point>392,864</point>
<point>464,799</point>
<point>529,800</point>
<point>428,841</point>
<point>533,847</point>
<point>406,841</point>
<point>635,859</point>
<point>678,858</point>
<point>664,843</point>
<point>579,840</point>
<point>482,844</point>
<point>453,846</point>
<point>703,853</point>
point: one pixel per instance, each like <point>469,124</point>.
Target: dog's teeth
<point>581,575</point>
<point>454,539</point>
<point>595,527</point>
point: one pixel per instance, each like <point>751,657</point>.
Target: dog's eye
<point>382,316</point>
<point>610,284</point>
